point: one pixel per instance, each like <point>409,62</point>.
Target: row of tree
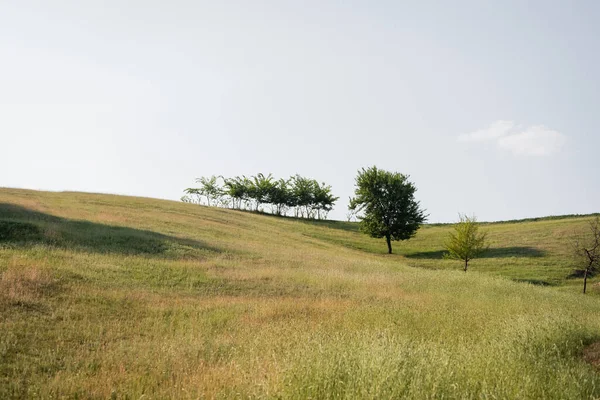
<point>298,196</point>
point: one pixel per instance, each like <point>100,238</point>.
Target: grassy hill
<point>535,251</point>
<point>106,296</point>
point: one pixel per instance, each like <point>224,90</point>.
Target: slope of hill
<point>536,251</point>
<point>106,296</point>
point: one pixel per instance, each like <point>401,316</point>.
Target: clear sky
<point>492,107</point>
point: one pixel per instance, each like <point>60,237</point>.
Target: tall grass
<point>125,297</point>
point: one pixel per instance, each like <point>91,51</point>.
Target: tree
<point>387,205</point>
<point>466,242</point>
<point>302,193</point>
<point>192,195</point>
<point>260,190</point>
<point>238,189</point>
<point>306,197</point>
<point>323,199</point>
<point>587,250</point>
<point>209,188</point>
<point>279,197</point>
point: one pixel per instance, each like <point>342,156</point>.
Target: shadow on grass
<point>580,273</point>
<point>496,252</point>
<point>537,282</point>
<point>327,223</point>
<point>22,227</point>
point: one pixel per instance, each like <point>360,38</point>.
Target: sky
<point>491,107</point>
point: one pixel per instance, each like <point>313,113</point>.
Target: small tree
<point>279,197</point>
<point>302,191</point>
<point>261,188</point>
<point>324,199</point>
<point>466,242</point>
<point>388,206</point>
<point>192,195</point>
<point>587,250</point>
<point>209,188</point>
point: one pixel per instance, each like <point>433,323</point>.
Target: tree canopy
<point>386,205</point>
<point>303,197</point>
<point>466,242</point>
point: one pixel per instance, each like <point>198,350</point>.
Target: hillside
<point>105,295</point>
<point>536,251</point>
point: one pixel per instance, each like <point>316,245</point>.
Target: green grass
<point>106,296</point>
<point>535,250</point>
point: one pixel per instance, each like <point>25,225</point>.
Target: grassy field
<point>538,252</point>
<point>119,297</point>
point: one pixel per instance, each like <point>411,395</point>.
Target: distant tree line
<point>298,196</point>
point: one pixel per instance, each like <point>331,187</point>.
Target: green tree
<point>192,195</point>
<point>466,242</point>
<point>306,197</point>
<point>209,188</point>
<point>261,188</point>
<point>387,205</point>
<point>324,199</point>
<point>587,250</point>
<point>302,193</point>
<point>236,189</point>
<point>279,197</point>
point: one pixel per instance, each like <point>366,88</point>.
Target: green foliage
<point>280,197</point>
<point>466,242</point>
<point>302,191</point>
<point>310,198</point>
<point>261,188</point>
<point>388,206</point>
<point>237,189</point>
<point>306,197</point>
<point>209,189</point>
<point>323,198</point>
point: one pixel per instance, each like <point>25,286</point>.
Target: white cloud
<point>531,141</point>
<point>494,131</point>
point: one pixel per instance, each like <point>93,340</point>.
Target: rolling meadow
<point>105,296</point>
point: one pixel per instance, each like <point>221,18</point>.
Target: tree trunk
<point>388,239</point>
<point>585,280</point>
<point>466,265</point>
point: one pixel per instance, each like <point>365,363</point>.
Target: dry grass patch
<point>25,284</point>
<point>591,354</point>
